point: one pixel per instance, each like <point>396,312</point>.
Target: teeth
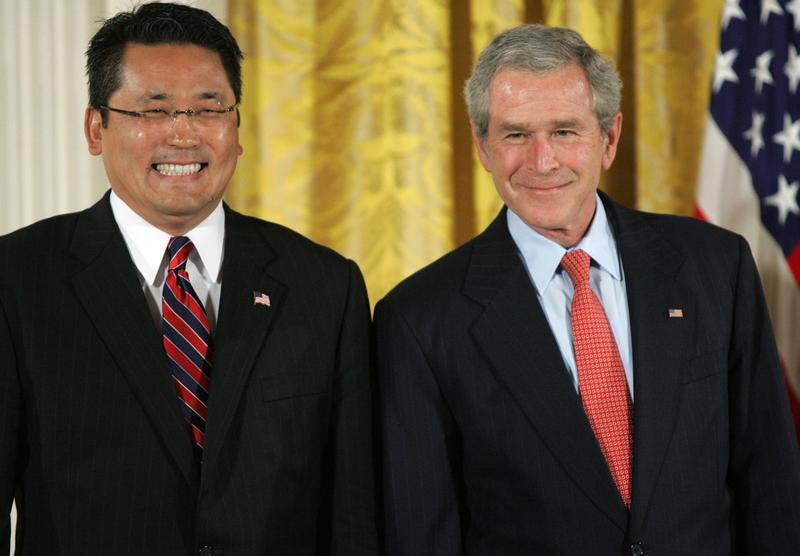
<point>177,169</point>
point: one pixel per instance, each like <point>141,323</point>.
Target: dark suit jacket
<point>91,436</point>
<point>486,447</point>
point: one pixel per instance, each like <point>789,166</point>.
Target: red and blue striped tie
<point>187,340</point>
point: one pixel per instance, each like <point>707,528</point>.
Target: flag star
<point>793,7</point>
<point>761,70</point>
<point>769,7</point>
<point>755,134</point>
<point>723,69</point>
<point>785,199</point>
<point>789,137</point>
<point>732,10</point>
<point>792,67</point>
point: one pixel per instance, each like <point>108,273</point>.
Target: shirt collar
<point>147,244</point>
<point>542,256</point>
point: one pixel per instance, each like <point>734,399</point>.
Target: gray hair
<point>541,49</point>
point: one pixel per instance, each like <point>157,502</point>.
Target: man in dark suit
<point>580,378</point>
<point>125,427</point>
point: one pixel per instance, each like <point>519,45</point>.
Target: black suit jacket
<point>91,437</point>
<point>487,450</point>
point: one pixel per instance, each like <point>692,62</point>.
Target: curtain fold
<point>355,132</point>
<point>346,126</point>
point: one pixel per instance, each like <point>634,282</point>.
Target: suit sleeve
<point>353,528</point>
<point>420,447</point>
<point>765,462</point>
<point>10,427</point>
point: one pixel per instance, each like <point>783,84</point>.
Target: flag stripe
<point>794,263</point>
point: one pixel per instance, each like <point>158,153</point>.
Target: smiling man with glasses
<point>175,377</point>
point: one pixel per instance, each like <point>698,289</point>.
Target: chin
<point>183,207</point>
<point>542,221</point>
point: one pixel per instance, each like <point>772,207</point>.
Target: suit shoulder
<point>687,231</point>
<point>435,283</point>
<point>42,229</point>
<point>310,267</point>
<point>286,240</point>
<point>692,233</point>
<point>707,248</point>
<point>49,233</point>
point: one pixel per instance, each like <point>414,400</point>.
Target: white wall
<point>45,168</point>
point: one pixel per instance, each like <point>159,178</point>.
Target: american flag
<point>750,172</point>
<point>260,298</point>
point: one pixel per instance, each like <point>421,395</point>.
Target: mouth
<point>179,169</point>
<point>541,187</point>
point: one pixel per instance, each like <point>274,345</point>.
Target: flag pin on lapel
<point>260,298</point>
<point>676,313</point>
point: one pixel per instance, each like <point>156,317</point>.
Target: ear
<point>612,140</point>
<point>480,145</point>
<point>93,130</point>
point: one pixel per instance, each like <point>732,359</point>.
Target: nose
<point>540,156</point>
<point>182,131</point>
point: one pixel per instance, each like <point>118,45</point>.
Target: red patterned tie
<point>601,376</point>
<point>187,340</point>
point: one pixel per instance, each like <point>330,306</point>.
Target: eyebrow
<point>512,126</point>
<point>210,95</point>
<point>155,96</point>
<point>205,95</point>
<point>556,124</point>
<point>567,124</point>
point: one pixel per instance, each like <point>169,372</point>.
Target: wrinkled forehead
<point>569,77</point>
<point>566,85</point>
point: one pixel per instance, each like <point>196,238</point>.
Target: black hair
<point>151,24</point>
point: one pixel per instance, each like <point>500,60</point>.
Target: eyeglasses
<point>205,115</point>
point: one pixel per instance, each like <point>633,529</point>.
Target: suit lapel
<point>653,278</point>
<point>112,297</point>
<point>515,336</point>
<point>242,325</point>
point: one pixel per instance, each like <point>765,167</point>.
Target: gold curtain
<point>356,135</point>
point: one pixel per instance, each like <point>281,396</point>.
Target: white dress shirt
<point>542,258</point>
<point>147,246</point>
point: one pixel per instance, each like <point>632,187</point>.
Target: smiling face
<point>545,149</point>
<point>172,172</point>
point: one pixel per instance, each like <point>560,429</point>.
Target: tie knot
<point>178,250</point>
<point>576,263</point>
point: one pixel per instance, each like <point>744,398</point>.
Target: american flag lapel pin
<point>260,298</point>
<point>676,313</point>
